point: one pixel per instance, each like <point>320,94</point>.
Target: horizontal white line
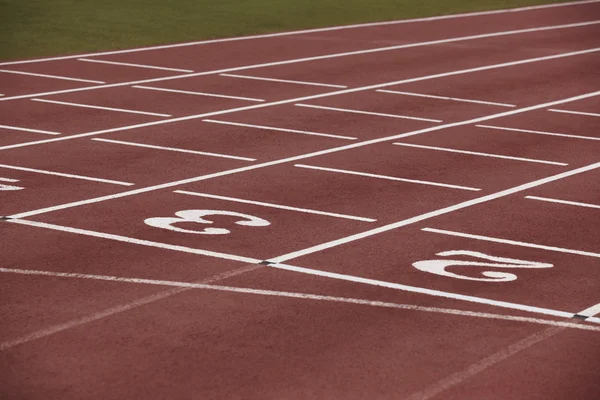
<point>85,178</point>
<point>142,242</point>
<point>368,113</point>
<point>150,146</point>
<point>64,78</point>
<point>214,121</point>
<point>591,311</point>
<point>197,93</point>
<point>574,112</point>
<point>391,178</point>
<point>447,98</point>
<point>135,65</point>
<point>572,203</point>
<point>123,110</point>
<point>18,128</point>
<point>481,154</point>
<point>258,203</point>
<point>260,78</point>
<point>8,180</point>
<point>513,242</point>
<point>501,128</point>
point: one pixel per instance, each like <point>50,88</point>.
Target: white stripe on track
<point>572,203</point>
<point>260,78</point>
<point>446,98</point>
<point>591,311</point>
<point>589,114</point>
<point>271,128</point>
<point>64,78</point>
<point>367,113</point>
<point>85,178</point>
<point>123,110</point>
<point>134,65</point>
<point>222,96</point>
<point>501,128</point>
<point>8,180</point>
<point>18,128</point>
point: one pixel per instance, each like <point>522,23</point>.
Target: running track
<point>404,210</point>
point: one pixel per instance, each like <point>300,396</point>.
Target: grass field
<point>34,28</point>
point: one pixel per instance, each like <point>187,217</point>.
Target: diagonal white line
<point>368,113</point>
<point>446,98</point>
<point>85,178</point>
<point>260,78</point>
<point>18,128</point>
<point>574,112</point>
<point>64,78</point>
<point>501,128</point>
<point>134,65</point>
<point>572,203</point>
<point>123,110</point>
<point>271,128</point>
<point>197,93</point>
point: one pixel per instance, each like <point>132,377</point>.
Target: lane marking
<point>314,30</point>
<point>142,242</point>
<point>591,311</point>
<point>368,113</point>
<point>391,178</point>
<point>8,180</point>
<point>123,110</point>
<point>475,153</point>
<point>222,96</point>
<point>308,155</point>
<point>271,128</point>
<point>512,242</point>
<point>64,78</point>
<point>572,203</point>
<point>272,205</point>
<point>574,112</point>
<point>431,214</point>
<point>18,128</point>
<point>150,146</point>
<point>501,128</point>
<point>85,178</point>
<point>329,56</point>
<point>260,78</point>
<point>446,98</point>
<point>134,65</point>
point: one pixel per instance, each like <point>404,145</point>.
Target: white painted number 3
<point>197,216</point>
<point>438,267</point>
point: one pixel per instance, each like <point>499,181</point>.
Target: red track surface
<point>346,193</point>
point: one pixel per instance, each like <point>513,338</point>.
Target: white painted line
<point>574,112</point>
<point>501,128</point>
<point>282,207</point>
<point>134,65</point>
<point>260,78</point>
<point>142,242</point>
<point>591,311</point>
<point>64,78</point>
<point>296,295</point>
<point>85,178</point>
<point>368,113</point>
<point>432,214</point>
<point>513,242</point>
<point>8,180</point>
<point>327,29</point>
<point>475,153</point>
<point>572,203</point>
<point>18,128</point>
<point>391,178</point>
<point>123,110</point>
<point>197,93</point>
<point>271,128</point>
<point>447,98</point>
<point>150,146</point>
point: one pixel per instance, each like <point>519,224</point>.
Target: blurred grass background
<point>35,28</point>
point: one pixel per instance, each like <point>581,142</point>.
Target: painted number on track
<point>438,267</point>
<point>197,216</point>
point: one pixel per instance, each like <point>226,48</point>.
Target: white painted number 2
<point>438,267</point>
<point>197,216</point>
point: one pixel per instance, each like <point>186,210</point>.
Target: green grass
<point>34,28</point>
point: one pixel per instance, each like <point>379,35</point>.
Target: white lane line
<point>368,113</point>
<point>260,78</point>
<point>432,214</point>
<point>18,128</point>
<point>306,31</point>
<point>574,112</point>
<point>591,311</point>
<point>415,289</point>
<point>336,55</point>
<point>501,128</point>
<point>85,178</point>
<point>271,128</point>
<point>150,146</point>
<point>142,242</point>
<point>282,207</point>
<point>513,242</point>
<point>8,180</point>
<point>446,98</point>
<point>296,295</point>
<point>134,65</point>
<point>64,78</point>
<point>572,203</point>
<point>198,93</point>
<point>391,178</point>
<point>475,153</point>
<point>123,110</point>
